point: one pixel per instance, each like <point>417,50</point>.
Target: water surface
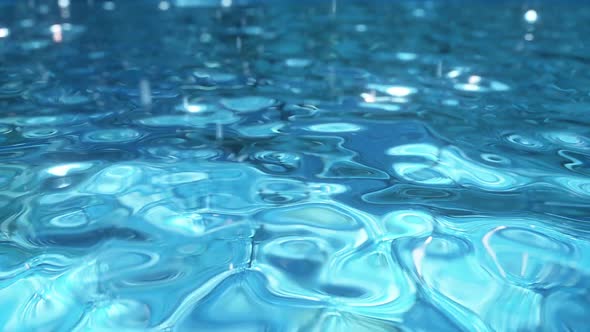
<point>294,166</point>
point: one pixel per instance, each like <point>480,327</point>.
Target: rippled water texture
<point>294,166</point>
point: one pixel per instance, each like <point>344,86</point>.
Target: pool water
<point>334,165</point>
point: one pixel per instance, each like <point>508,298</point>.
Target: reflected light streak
<point>486,244</point>
<point>418,255</point>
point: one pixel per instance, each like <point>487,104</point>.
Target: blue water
<point>294,166</point>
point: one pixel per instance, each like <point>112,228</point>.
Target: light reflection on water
<point>319,166</point>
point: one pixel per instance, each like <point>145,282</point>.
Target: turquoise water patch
<point>254,165</point>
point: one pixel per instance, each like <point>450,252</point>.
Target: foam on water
<point>200,165</point>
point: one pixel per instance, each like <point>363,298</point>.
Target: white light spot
<point>531,16</point>
<point>226,3</point>
<point>400,91</point>
<point>55,28</point>
<point>4,32</point>
<point>453,73</point>
<point>63,3</point>
<point>529,37</point>
<point>63,170</point>
<point>193,108</point>
<point>368,97</point>
<point>56,32</point>
<point>474,79</point>
<point>164,5</point>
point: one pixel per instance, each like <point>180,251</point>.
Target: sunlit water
<point>322,166</point>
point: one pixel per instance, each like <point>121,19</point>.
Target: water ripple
<point>206,165</point>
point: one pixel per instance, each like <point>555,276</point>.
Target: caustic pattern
<point>294,166</point>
